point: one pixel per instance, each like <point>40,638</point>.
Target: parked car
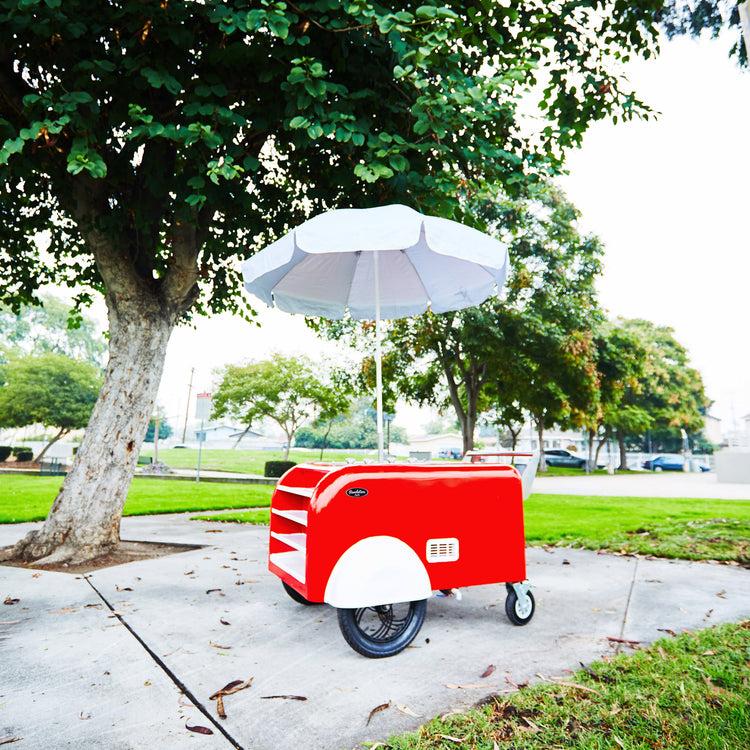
<point>560,457</point>
<point>451,453</point>
<point>669,462</point>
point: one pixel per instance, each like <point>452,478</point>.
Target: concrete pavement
<point>73,673</point>
<point>643,484</point>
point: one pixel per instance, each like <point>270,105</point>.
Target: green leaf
<point>399,162</point>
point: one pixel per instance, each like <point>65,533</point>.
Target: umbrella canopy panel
<point>326,266</point>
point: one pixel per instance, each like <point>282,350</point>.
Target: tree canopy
<point>50,327</point>
<point>286,390</point>
<point>48,389</point>
<point>522,350</point>
<point>154,142</point>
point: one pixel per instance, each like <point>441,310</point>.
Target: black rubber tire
<point>370,631</point>
<point>294,594</point>
<point>511,608</point>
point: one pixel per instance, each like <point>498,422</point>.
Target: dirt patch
<point>124,552</point>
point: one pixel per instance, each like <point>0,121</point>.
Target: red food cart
<point>375,540</point>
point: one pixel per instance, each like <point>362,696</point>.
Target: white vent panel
<point>442,550</point>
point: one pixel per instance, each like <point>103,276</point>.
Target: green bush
<point>23,454</point>
<point>5,451</point>
<point>277,468</point>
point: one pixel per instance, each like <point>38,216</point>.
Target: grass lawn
<point>241,461</point>
<point>28,498</point>
<point>685,527</point>
<point>685,692</point>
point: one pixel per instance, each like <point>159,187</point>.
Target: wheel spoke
<point>380,623</point>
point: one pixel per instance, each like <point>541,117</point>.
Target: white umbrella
<point>377,263</point>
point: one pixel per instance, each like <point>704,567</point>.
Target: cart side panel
<point>480,507</point>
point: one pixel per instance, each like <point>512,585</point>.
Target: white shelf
<point>297,541</point>
<point>291,562</point>
<point>302,491</point>
<point>298,516</point>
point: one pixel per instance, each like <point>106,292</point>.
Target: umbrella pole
<point>378,361</point>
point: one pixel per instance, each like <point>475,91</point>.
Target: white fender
<point>377,570</point>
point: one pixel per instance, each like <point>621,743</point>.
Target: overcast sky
<point>666,197</point>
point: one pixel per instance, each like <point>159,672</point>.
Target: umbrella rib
<point>358,255</point>
<point>419,275</point>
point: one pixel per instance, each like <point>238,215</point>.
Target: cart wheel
<point>382,631</point>
<point>519,612</point>
<point>296,594</point>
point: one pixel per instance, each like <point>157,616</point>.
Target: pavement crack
<point>627,607</point>
<point>162,665</point>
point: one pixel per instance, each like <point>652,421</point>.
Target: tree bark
<point>84,521</point>
<point>540,433</point>
<point>623,451</point>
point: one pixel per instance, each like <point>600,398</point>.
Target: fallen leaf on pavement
<point>375,710</point>
<point>284,697</point>
<point>470,686</point>
<point>62,611</point>
<point>9,600</point>
<point>224,622</point>
<point>126,588</point>
<point>612,639</point>
<point>232,687</point>
<point>721,594</point>
<point>81,716</point>
<point>487,672</point>
<point>197,729</point>
<point>9,622</point>
<point>211,591</point>
<point>406,710</point>
<point>220,707</point>
<point>216,645</point>
<point>667,631</point>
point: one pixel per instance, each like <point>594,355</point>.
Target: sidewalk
<point>74,674</point>
<point>642,484</point>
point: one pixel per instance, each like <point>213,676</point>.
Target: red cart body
<point>366,535</point>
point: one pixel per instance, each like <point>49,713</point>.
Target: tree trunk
<point>540,434</point>
<point>63,431</point>
<point>623,451</point>
<point>84,521</point>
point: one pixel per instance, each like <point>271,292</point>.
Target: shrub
<point>23,454</point>
<point>5,451</point>
<point>277,468</point>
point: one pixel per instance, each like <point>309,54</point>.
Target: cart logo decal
<point>356,492</point>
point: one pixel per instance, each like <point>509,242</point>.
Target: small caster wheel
<point>520,609</point>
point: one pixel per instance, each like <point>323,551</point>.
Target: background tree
<point>53,327</point>
<point>712,16</point>
<point>154,142</point>
<point>286,390</point>
<point>165,430</point>
<point>669,391</point>
<point>619,361</point>
<point>355,430</point>
<point>49,389</point>
<point>521,345</point>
